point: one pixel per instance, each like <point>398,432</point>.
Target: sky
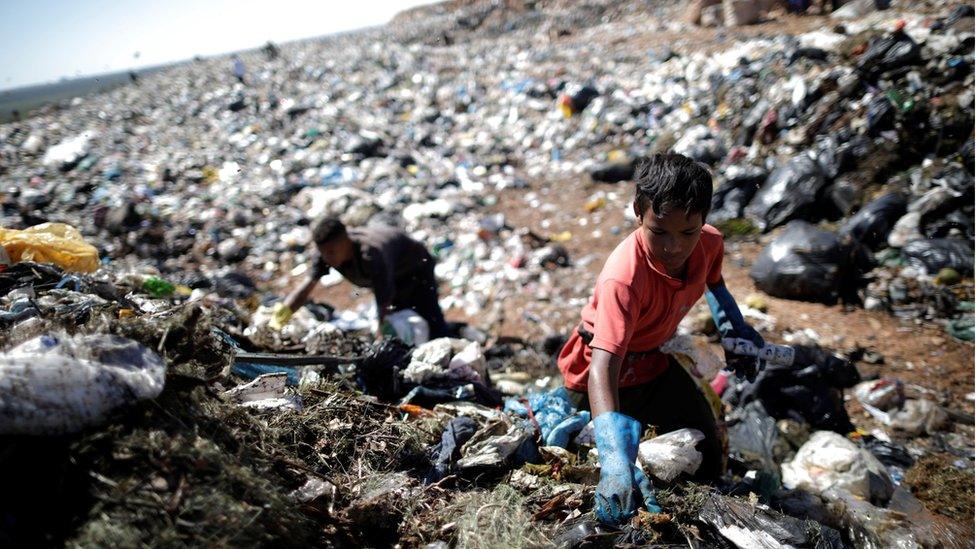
<point>44,40</point>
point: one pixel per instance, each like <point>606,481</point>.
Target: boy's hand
<point>745,366</point>
<point>280,315</point>
<point>730,324</point>
<point>623,487</point>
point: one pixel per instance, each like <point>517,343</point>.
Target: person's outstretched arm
<point>299,296</point>
<point>617,437</point>
<point>602,385</point>
<point>730,324</point>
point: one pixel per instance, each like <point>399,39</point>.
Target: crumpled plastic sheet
<point>446,359</point>
<point>749,526</point>
<point>829,460</point>
<point>266,392</point>
<point>701,361</point>
<point>59,384</point>
<point>913,417</point>
<point>500,443</point>
<point>671,454</point>
<point>56,243</point>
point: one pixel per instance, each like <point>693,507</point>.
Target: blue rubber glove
<point>729,321</point>
<point>617,436</point>
<point>561,434</point>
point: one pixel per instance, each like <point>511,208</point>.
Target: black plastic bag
<point>881,115</point>
<point>872,223</point>
<point>580,97</point>
<point>893,51</point>
<point>613,172</point>
<point>888,453</point>
<point>752,437</point>
<point>835,157</point>
<point>366,145</point>
<point>940,253</point>
<point>730,199</point>
<point>960,220</point>
<point>790,192</point>
<point>811,264</point>
<point>234,284</point>
<point>813,54</point>
<point>378,374</point>
<point>809,391</point>
<point>841,198</point>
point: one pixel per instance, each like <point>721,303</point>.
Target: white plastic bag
<point>53,385</point>
<point>829,460</point>
<point>671,454</point>
<point>694,354</point>
<point>410,327</point>
<point>446,358</point>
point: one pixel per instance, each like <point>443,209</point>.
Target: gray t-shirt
<point>386,260</point>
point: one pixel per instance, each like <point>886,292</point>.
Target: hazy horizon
<point>49,41</point>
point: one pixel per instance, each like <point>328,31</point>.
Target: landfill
<point>147,232</point>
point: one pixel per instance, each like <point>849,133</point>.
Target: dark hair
<point>325,228</point>
<point>672,180</point>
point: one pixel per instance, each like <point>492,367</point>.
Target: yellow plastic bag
<point>56,243</point>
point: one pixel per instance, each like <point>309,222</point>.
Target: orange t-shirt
<point>636,307</point>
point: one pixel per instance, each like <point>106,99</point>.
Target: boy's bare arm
<point>602,385</point>
<point>300,296</point>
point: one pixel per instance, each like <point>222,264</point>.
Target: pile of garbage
<point>146,421</point>
<point>147,231</point>
<point>862,129</point>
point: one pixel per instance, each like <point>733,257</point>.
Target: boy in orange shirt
<point>611,365</point>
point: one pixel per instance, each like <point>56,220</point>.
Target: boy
<point>610,363</point>
<point>399,270</point>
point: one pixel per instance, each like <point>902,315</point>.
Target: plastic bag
<point>694,355</point>
<point>701,144</point>
<point>790,192</point>
<point>407,325</point>
<point>53,385</point>
<point>734,193</point>
<point>751,526</point>
<point>838,154</point>
<point>829,460</point>
<point>889,52</point>
<point>56,243</point>
<point>446,359</point>
<point>807,263</point>
<point>809,391</point>
<point>872,223</point>
<point>378,374</point>
<point>613,172</point>
<point>576,99</point>
<point>881,393</point>
<point>671,454</point>
<point>904,526</point>
<point>753,437</point>
<point>913,418</point>
<point>880,115</point>
<point>936,254</point>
